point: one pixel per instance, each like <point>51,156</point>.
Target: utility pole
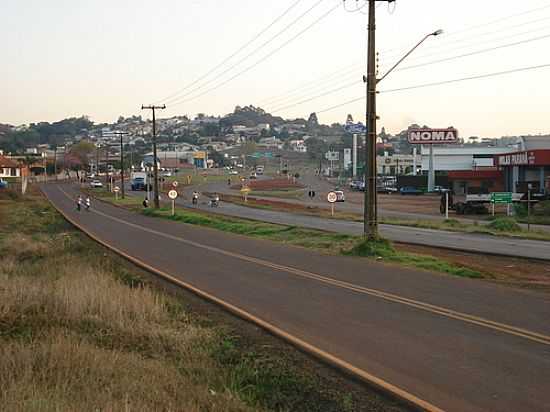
<point>370,211</point>
<point>120,134</point>
<point>55,161</point>
<point>155,165</point>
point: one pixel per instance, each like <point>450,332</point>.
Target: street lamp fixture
<point>435,33</point>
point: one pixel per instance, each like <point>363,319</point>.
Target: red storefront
<point>521,169</point>
<point>476,181</point>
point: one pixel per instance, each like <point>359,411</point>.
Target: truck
<point>139,181</point>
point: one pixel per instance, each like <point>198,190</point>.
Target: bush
<point>542,208</point>
<point>504,224</point>
<point>520,210</point>
<point>372,248</point>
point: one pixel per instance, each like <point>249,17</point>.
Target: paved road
<point>531,249</point>
<point>456,344</point>
<point>322,187</point>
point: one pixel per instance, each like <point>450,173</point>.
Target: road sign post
<point>501,198</point>
<point>447,205</point>
<point>332,197</point>
<point>116,190</point>
<point>245,190</point>
<point>173,194</point>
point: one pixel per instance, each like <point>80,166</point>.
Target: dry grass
<point>75,337</point>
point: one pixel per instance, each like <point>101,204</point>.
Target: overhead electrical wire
<point>253,52</point>
<point>475,27</point>
<point>240,49</point>
<point>305,99</point>
<point>440,83</point>
<point>248,68</point>
<point>347,71</point>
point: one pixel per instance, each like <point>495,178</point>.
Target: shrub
<point>372,248</point>
<point>542,208</point>
<point>504,224</point>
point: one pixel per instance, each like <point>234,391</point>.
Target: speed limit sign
<point>172,194</point>
<point>332,197</point>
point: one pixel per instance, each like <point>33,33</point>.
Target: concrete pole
<point>354,155</point>
<point>431,171</point>
<point>414,161</point>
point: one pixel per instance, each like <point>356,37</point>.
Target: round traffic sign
<point>332,197</point>
<point>117,189</point>
<point>172,194</point>
<point>175,183</point>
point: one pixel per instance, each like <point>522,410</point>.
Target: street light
<point>427,36</point>
<point>370,209</point>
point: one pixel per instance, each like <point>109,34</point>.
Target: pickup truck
<point>138,183</point>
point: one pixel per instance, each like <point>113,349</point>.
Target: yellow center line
<point>445,312</point>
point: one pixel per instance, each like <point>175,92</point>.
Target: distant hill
<point>250,116</point>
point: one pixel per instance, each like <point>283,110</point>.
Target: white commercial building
<point>453,158</point>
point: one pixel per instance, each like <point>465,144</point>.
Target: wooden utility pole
<point>155,165</point>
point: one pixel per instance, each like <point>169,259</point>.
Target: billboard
<point>432,136</point>
<point>355,128</point>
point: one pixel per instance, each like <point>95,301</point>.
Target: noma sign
<point>433,136</point>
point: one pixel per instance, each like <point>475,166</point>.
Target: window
<point>13,171</point>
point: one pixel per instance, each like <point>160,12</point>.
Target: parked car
<point>410,190</point>
<point>440,189</point>
<point>340,197</point>
<point>357,185</point>
<point>96,184</point>
<point>167,174</point>
<point>386,189</point>
<point>3,184</point>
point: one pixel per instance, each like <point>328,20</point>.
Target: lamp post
<point>370,208</point>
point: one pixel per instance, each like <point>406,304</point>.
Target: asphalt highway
<point>441,342</point>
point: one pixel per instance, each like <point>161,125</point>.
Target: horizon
<point>87,62</point>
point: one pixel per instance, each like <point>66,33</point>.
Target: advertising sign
<point>539,157</point>
<point>432,136</point>
<point>355,128</point>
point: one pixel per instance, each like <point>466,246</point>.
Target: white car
<point>96,184</point>
<point>233,172</point>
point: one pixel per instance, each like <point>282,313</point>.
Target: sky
<point>105,58</point>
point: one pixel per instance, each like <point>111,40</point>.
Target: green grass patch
<point>504,224</point>
<point>383,249</point>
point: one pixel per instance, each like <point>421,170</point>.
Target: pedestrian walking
<point>145,203</point>
<point>78,203</point>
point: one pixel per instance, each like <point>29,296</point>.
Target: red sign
<point>433,136</point>
<point>527,158</point>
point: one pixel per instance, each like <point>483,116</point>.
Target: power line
<point>247,69</point>
<point>352,70</point>
<point>477,26</point>
<point>477,52</point>
<point>252,40</point>
<point>409,68</point>
<point>256,50</point>
<point>477,77</point>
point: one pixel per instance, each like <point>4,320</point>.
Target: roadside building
<point>454,158</point>
<point>397,164</point>
<point>476,181</point>
<point>525,168</point>
<point>9,168</point>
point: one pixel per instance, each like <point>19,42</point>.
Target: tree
<point>316,148</point>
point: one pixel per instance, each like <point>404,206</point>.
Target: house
<point>10,168</point>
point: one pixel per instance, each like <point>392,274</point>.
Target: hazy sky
<point>104,58</point>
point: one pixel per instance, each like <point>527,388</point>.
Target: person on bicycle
<point>87,203</point>
<point>78,203</point>
<point>195,197</point>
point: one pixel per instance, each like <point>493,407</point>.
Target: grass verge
<point>81,329</point>
<point>314,239</point>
